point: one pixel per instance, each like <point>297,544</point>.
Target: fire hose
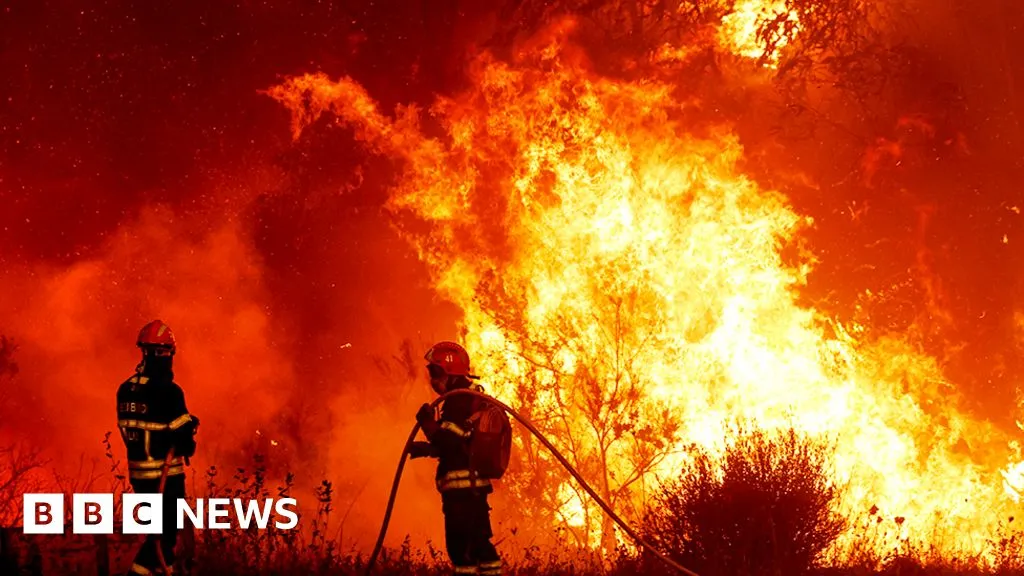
<point>561,459</point>
<point>160,490</point>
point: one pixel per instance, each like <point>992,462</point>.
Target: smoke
<point>144,175</point>
<point>76,327</point>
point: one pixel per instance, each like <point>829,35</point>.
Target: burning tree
<point>631,290</point>
<point>625,27</point>
<point>582,383</point>
<point>818,35</point>
<point>818,64</point>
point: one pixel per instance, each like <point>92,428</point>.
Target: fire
<point>742,28</point>
<point>604,255</point>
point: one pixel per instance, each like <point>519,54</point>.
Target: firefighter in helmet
<point>153,420</point>
<point>467,521</point>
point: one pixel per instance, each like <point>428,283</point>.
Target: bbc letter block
<point>143,513</point>
<point>44,513</point>
<point>93,514</point>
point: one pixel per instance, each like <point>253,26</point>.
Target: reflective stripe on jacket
<point>153,419</point>
<point>451,438</point>
<point>454,429</point>
<point>460,480</point>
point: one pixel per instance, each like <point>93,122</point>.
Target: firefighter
<point>467,521</point>
<point>153,418</point>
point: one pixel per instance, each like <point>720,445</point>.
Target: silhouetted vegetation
<point>765,508</point>
<point>21,459</point>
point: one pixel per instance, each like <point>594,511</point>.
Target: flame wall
<point>143,174</point>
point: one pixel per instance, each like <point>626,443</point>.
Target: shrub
<point>764,508</point>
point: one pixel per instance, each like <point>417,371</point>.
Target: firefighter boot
<point>488,560</point>
<point>490,568</point>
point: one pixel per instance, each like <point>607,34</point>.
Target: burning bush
<point>765,507</point>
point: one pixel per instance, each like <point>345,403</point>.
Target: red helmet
<point>451,358</point>
<point>157,336</point>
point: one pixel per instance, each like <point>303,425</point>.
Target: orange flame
<point>743,29</point>
<point>577,215</point>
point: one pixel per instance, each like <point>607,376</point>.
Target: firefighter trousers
<point>147,561</point>
<point>467,532</point>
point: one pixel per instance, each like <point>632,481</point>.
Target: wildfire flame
<point>578,216</point>
<point>741,29</point>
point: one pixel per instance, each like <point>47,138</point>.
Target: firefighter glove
<point>425,414</point>
<point>185,441</point>
<point>421,450</point>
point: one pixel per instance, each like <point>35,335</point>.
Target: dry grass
<point>763,510</point>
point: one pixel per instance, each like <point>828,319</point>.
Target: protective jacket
<point>152,417</point>
<point>450,442</point>
<point>467,523</point>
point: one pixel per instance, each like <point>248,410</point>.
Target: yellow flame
<point>1013,476</point>
<point>575,214</point>
<point>740,28</point>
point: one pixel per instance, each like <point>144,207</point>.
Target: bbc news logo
<point>144,513</point>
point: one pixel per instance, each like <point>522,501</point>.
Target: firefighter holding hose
<point>471,442</point>
<point>159,436</point>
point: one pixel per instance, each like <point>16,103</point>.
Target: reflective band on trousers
<point>143,571</point>
<point>465,570</point>
<point>490,568</point>
<point>148,469</point>
<point>154,464</point>
<point>459,479</point>
<point>153,474</point>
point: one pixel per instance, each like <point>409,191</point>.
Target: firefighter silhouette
<point>153,418</point>
<point>467,520</point>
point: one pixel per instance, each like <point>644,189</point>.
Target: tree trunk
<point>608,542</point>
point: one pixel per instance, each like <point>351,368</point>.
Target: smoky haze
<point>144,174</point>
